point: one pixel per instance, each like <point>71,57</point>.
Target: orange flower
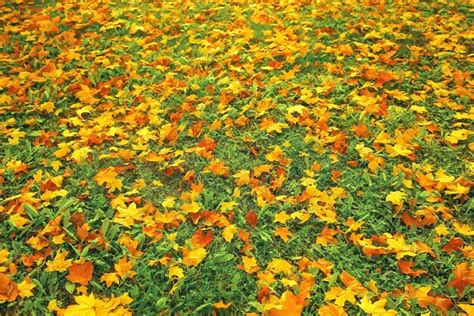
<point>8,289</point>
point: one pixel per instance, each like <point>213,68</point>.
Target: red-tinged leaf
<point>253,151</point>
<point>263,294</point>
<point>251,218</point>
<point>201,239</point>
<point>454,244</point>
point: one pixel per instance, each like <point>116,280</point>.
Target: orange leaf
<point>218,168</point>
<point>8,289</point>
<point>335,174</point>
<point>110,278</point>
<point>406,268</point>
<point>291,305</point>
<point>124,268</point>
<point>283,233</point>
<point>201,239</point>
<point>332,310</point>
<point>463,276</point>
<point>361,130</point>
<point>327,236</point>
<point>86,95</point>
<point>222,305</point>
<point>81,273</point>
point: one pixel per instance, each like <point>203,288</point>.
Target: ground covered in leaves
<point>239,158</point>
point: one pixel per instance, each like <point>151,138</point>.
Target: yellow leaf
<point>250,264</point>
<point>168,202</point>
<point>395,197</point>
<point>46,107</point>
<point>288,283</point>
<point>281,217</point>
<point>468,308</point>
<point>441,230</point>
<point>371,285</point>
<point>124,268</point>
<point>397,94</point>
<point>340,296</point>
<point>193,257</point>
<point>59,263</point>
<point>135,28</point>
<point>192,207</point>
<point>376,308</point>
<point>4,255</point>
<point>157,183</point>
<point>175,272</point>
<point>86,95</point>
<point>26,287</point>
<point>85,306</point>
<point>81,154</point>
<point>418,109</point>
<point>283,233</point>
<point>55,165</point>
<point>454,137</point>
<point>62,151</point>
<point>125,299</point>
<point>108,177</point>
<point>303,217</point>
<point>59,239</point>
<point>242,177</point>
<point>295,108</point>
<point>279,265</point>
<point>53,306</point>
<point>228,232</point>
<point>269,126</point>
<point>397,150</point>
<point>457,189</point>
<point>463,229</point>
<point>14,136</point>
<point>18,220</point>
<point>407,183</point>
<point>227,206</point>
<point>110,278</point>
<point>128,215</point>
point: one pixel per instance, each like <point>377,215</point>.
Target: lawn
<point>236,157</point>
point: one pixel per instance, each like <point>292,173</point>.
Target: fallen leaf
<point>80,273</point>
